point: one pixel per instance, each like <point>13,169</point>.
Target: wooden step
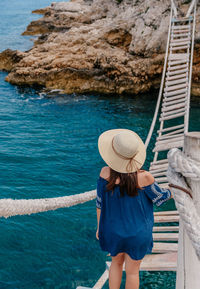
<point>171,140</point>
<point>176,72</point>
<point>183,31</point>
<point>160,161</point>
<point>166,219</point>
<point>156,262</point>
<point>175,87</point>
<point>155,170</point>
<point>174,132</point>
<point>177,27</point>
<point>166,229</point>
<point>183,35</point>
<point>179,47</point>
<point>166,213</point>
<point>164,247</point>
<point>177,97</point>
<point>179,76</point>
<point>173,93</point>
<point>168,137</point>
<point>161,180</point>
<point>173,43</point>
<point>169,129</point>
<point>167,103</point>
<point>176,62</point>
<point>184,39</point>
<point>177,67</point>
<point>173,112</point>
<point>165,236</point>
<point>157,166</point>
<point>173,107</point>
<point>176,56</point>
<point>177,81</point>
<point>159,174</point>
<point>172,116</point>
<point>167,146</point>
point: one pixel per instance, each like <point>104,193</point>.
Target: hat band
<point>129,165</point>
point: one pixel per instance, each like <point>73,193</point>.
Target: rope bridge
<point>175,95</point>
<point>173,104</point>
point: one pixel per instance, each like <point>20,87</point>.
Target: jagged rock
<point>99,45</point>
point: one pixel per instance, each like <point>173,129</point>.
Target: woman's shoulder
<point>105,173</point>
<point>145,178</point>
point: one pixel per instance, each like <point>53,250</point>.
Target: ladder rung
<point>175,62</point>
<point>159,174</point>
<point>162,180</point>
<point>177,72</point>
<point>168,146</point>
<point>177,67</point>
<point>171,116</point>
<point>181,80</point>
<point>181,35</point>
<point>175,87</point>
<point>175,27</point>
<point>183,19</point>
<point>173,93</point>
<point>179,76</point>
<point>176,56</point>
<point>166,229</point>
<point>171,128</point>
<point>180,47</point>
<point>172,112</point>
<point>164,161</point>
<point>172,140</point>
<point>165,236</point>
<point>182,96</point>
<point>173,107</point>
<point>181,130</point>
<point>172,44</point>
<point>158,167</point>
<point>177,32</point>
<point>170,103</point>
<point>181,40</point>
<point>166,137</point>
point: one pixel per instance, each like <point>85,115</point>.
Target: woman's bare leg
<point>132,268</point>
<point>115,272</point>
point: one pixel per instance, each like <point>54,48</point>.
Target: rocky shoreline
<point>97,46</point>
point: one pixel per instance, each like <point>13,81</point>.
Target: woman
<point>125,197</point>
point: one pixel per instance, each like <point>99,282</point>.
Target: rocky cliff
<point>97,46</point>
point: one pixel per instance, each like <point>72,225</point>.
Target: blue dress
<point>126,223</point>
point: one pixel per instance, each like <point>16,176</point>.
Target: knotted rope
<point>11,207</point>
<point>180,168</point>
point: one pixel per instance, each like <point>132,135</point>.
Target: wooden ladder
<point>174,115</point>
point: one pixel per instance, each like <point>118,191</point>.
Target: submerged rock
<point>96,46</point>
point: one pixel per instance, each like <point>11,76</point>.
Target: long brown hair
<point>127,182</point>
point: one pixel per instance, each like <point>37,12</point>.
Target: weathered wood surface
<point>166,229</point>
<point>157,262</point>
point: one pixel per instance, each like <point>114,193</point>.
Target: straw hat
<point>122,150</point>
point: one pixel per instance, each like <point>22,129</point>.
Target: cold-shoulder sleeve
<point>157,194</point>
<point>100,184</point>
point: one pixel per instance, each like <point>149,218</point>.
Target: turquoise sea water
<point>48,148</point>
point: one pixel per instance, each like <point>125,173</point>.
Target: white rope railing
<point>11,207</point>
<point>174,8</point>
<point>193,4</point>
<point>181,167</point>
<point>161,86</point>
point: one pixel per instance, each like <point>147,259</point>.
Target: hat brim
<point>113,160</point>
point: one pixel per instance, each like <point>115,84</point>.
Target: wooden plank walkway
<point>175,94</point>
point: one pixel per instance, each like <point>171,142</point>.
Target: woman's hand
<point>97,234</point>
